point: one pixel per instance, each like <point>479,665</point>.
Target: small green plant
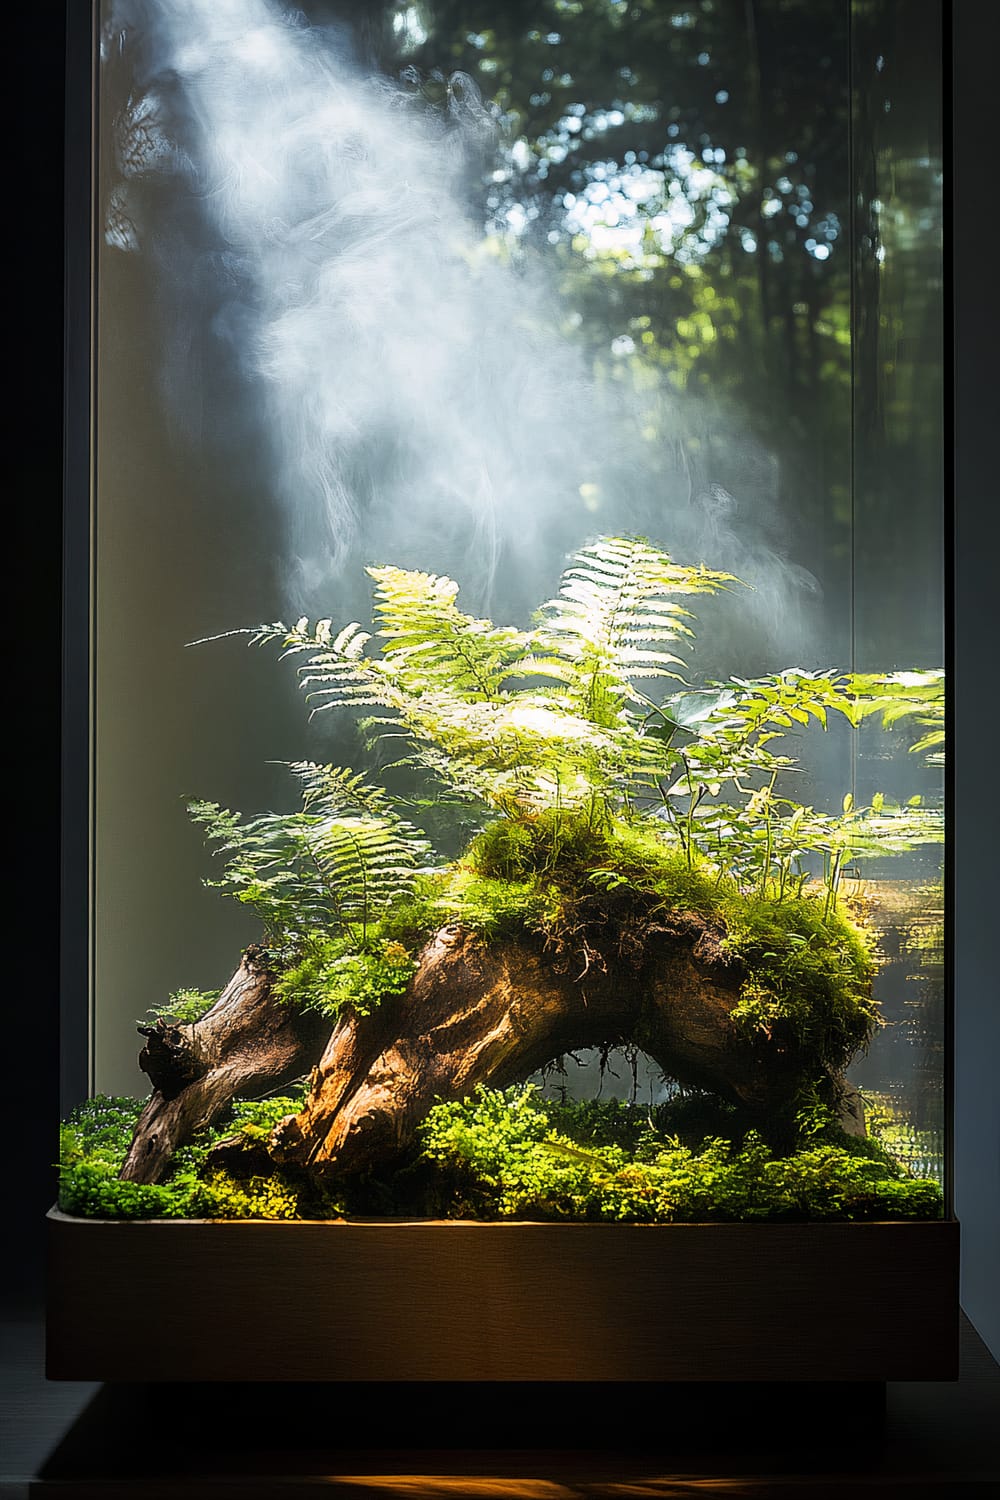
<point>509,1154</point>
<point>185,1007</point>
<point>332,974</point>
<point>96,1137</point>
<point>335,865</point>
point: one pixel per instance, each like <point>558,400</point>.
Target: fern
<point>612,620</point>
<point>432,645</point>
<point>335,865</point>
<point>505,717</point>
<point>553,719</point>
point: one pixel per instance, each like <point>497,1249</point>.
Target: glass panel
<point>464,288</point>
<point>898,617</point>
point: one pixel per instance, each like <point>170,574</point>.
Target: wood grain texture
<point>421,1301</point>
<point>494,1012</point>
<point>249,1042</point>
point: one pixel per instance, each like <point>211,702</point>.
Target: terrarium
<point>507,548</point>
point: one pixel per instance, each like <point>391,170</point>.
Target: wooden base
<point>387,1300</point>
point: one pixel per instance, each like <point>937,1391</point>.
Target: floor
<point>166,1442</point>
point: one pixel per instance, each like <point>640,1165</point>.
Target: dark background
<point>34,201</point>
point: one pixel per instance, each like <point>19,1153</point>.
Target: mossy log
<point>493,1012</point>
<point>477,1011</point>
<point>247,1043</point>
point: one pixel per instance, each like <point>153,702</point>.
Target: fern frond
<point>367,863</point>
<point>612,619</point>
<point>429,642</point>
<point>336,673</point>
<point>341,860</point>
<point>333,790</point>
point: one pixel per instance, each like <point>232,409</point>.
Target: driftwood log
<point>475,1012</point>
<point>495,1012</point>
<point>248,1043</point>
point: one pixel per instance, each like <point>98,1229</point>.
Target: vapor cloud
<point>414,394</point>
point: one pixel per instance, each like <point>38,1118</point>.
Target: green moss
<point>582,863</point>
<point>508,1154</point>
<point>808,966</point>
<point>555,874</point>
<point>415,917</point>
<point>532,844</point>
<point>809,975</point>
<point>95,1139</point>
<point>497,908</point>
<point>333,974</point>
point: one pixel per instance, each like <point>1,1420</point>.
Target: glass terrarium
<point>548,906</point>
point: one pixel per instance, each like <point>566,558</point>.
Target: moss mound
<point>512,1154</point>
<point>808,965</point>
<point>509,1154</point>
<point>94,1142</point>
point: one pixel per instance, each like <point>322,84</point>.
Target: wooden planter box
<point>394,1300</point>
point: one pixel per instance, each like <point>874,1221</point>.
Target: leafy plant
<point>334,866</point>
<point>553,719</point>
<point>513,719</point>
<point>725,798</point>
<point>185,1007</point>
<point>332,974</point>
<point>96,1137</point>
<point>595,799</point>
<point>510,1154</point>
